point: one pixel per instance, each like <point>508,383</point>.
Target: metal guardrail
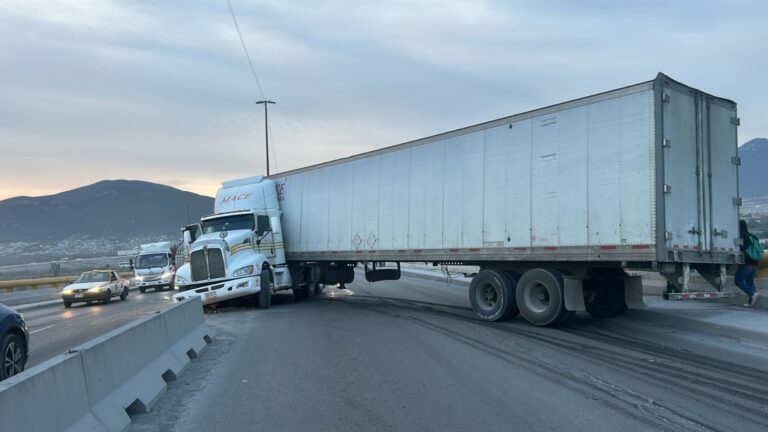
<point>10,285</point>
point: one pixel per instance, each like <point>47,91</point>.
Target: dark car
<point>14,342</point>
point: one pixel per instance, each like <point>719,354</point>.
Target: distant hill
<point>753,173</point>
<point>117,209</point>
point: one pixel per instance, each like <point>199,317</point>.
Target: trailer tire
<point>265,295</point>
<point>491,294</point>
<point>540,297</point>
<point>603,300</point>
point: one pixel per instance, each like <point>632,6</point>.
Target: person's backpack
<point>754,250</point>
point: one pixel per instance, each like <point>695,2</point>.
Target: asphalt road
<point>54,329</point>
<point>408,355</point>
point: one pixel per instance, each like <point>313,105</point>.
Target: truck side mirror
<point>131,264</point>
<point>262,225</point>
<point>187,237</point>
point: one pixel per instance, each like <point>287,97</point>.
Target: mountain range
<point>115,209</point>
<point>753,173</point>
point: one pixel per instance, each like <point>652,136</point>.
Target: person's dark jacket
<point>745,241</point>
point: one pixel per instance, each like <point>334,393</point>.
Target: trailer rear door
<point>700,181</point>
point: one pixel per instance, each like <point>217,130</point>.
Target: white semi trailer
<point>553,205</point>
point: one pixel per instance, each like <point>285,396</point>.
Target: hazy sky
<point>161,91</point>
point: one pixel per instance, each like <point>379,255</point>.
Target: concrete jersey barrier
<point>94,386</point>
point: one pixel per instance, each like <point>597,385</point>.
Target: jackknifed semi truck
<point>554,206</point>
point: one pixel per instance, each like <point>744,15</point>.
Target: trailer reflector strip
<point>641,246</point>
<point>608,247</point>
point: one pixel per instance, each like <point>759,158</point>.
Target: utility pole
<point>266,128</point>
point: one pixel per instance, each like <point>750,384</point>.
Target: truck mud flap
<point>376,275</point>
<point>574,294</point>
<point>633,292</point>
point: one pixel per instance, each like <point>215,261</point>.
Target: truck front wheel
<point>265,295</point>
<point>540,297</point>
<point>492,295</point>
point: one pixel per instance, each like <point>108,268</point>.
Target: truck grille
<point>210,267</point>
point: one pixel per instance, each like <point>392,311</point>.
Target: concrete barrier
<point>48,397</point>
<point>96,385</point>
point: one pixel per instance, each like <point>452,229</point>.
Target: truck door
<point>723,174</point>
<point>266,234</point>
<point>682,186</point>
<point>700,181</point>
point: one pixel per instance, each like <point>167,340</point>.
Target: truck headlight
<point>181,280</point>
<point>244,271</point>
<point>166,276</point>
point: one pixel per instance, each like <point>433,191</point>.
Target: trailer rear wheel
<point>492,295</point>
<point>604,298</point>
<point>540,297</point>
<point>265,295</point>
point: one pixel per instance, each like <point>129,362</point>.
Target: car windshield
<point>229,223</point>
<point>93,277</point>
<point>151,260</point>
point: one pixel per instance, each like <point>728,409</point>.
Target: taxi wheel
<point>108,297</point>
<point>67,304</point>
<point>142,290</point>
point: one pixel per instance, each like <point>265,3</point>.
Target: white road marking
<point>41,329</point>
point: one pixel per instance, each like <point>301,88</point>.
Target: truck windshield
<point>93,277</point>
<point>151,260</point>
<point>229,223</point>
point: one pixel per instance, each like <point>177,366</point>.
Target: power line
<point>255,77</point>
<point>245,49</point>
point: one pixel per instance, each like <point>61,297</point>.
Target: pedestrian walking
<point>745,275</point>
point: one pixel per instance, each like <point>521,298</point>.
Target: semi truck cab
<point>238,251</point>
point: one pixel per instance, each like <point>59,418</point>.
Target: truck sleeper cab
<point>238,251</point>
